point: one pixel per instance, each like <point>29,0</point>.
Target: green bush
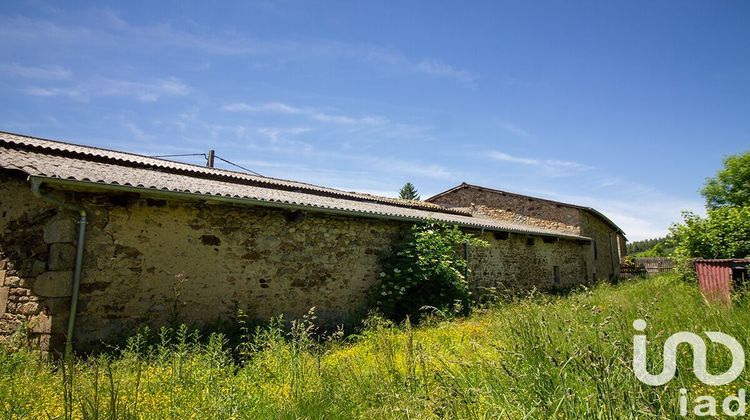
<point>724,233</point>
<point>425,268</point>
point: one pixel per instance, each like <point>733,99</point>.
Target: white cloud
<point>641,211</point>
<point>21,29</point>
<point>438,68</point>
<point>45,73</point>
<point>276,134</point>
<point>513,129</point>
<point>118,32</point>
<point>553,164</point>
<point>143,91</point>
<point>312,113</point>
<point>137,132</point>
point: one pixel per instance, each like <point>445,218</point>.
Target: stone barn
<point>607,241</point>
<point>98,242</point>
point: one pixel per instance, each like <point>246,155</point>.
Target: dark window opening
<point>740,275</point>
<point>529,241</point>
<point>549,239</point>
<point>501,236</point>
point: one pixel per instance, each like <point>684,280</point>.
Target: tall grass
<point>540,357</point>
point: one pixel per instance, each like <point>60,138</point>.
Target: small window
<point>556,274</point>
<point>501,236</point>
<point>549,239</point>
<point>529,241</point>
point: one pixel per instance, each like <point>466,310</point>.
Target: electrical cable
<point>234,164</point>
<point>182,155</point>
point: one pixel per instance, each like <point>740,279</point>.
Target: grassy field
<point>540,357</point>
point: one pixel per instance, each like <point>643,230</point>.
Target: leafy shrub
<point>725,233</point>
<point>425,268</point>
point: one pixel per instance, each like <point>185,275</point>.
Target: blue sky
<point>624,106</point>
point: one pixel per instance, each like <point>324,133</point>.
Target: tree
<point>725,233</point>
<point>409,192</point>
<point>731,186</point>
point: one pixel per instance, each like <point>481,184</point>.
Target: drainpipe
<point>82,214</point>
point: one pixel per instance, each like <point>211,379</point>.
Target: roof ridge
<point>561,203</point>
<point>142,161</point>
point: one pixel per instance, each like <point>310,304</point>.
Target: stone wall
<point>148,261</point>
<point>201,263</point>
<point>604,258</point>
<point>514,208</point>
<point>519,262</point>
<point>600,260</point>
<point>35,266</point>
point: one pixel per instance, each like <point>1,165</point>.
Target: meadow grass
<point>537,357</point>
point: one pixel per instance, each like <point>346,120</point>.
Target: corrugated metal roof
<point>715,279</point>
<point>100,167</point>
<point>130,159</point>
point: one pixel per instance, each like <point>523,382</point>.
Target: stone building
<point>165,240</point>
<point>607,240</point>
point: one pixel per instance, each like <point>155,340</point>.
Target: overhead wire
<point>234,164</point>
<point>182,155</point>
<point>206,157</point>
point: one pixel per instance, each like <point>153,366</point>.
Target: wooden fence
<point>642,267</point>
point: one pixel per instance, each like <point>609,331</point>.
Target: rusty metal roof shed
<point>715,276</point>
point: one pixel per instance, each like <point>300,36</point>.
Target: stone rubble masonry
<point>600,260</point>
<point>514,208</point>
<point>29,280</point>
<point>148,261</point>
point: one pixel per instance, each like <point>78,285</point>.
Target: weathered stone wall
<point>148,261</point>
<point>600,261</point>
<point>604,258</point>
<point>521,262</point>
<point>514,208</point>
<point>35,264</point>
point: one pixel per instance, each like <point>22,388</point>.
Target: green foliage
<point>731,185</point>
<point>659,250</point>
<point>724,233</point>
<point>409,192</point>
<point>648,245</point>
<point>538,357</point>
<point>425,268</point>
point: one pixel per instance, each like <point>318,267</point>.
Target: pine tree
<point>409,192</point>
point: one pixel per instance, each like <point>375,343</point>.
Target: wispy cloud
<point>33,72</point>
<point>438,68</point>
<point>187,35</point>
<point>513,129</point>
<point>549,163</point>
<point>136,131</point>
<point>22,29</point>
<point>641,212</point>
<point>149,91</point>
<point>312,113</point>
